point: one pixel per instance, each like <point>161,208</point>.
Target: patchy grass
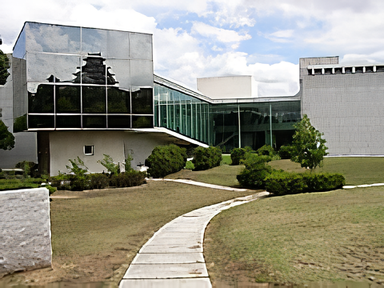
<point>300,238</point>
<point>95,234</point>
<point>356,170</point>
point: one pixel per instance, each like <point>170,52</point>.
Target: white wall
<point>69,144</point>
<point>228,87</point>
<point>25,238</point>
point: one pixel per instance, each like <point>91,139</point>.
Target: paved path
<point>173,257</point>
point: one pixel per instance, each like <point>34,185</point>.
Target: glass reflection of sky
<point>59,51</point>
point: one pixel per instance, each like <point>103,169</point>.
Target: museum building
<point>77,91</point>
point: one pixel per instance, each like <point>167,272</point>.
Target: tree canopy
<point>4,66</point>
<point>7,140</point>
<point>308,145</point>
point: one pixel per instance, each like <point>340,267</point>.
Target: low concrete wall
<point>25,230</point>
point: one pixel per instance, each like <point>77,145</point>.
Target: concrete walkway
<point>173,257</point>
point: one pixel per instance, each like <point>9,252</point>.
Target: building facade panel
<point>346,107</point>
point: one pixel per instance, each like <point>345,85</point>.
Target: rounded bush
<point>166,160</point>
<point>206,158</point>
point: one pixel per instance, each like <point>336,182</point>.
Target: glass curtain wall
<point>254,124</point>
<point>181,113</point>
<point>229,125</point>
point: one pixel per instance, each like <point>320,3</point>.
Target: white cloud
<point>282,36</point>
<point>222,35</point>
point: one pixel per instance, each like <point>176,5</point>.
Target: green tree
<point>4,66</point>
<point>7,140</point>
<point>308,145</point>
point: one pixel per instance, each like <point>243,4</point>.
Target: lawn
<point>356,170</point>
<point>300,238</point>
<point>327,236</point>
<point>96,234</point>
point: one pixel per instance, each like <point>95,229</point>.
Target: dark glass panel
<point>94,122</point>
<point>142,122</point>
<point>118,101</point>
<point>93,99</point>
<point>42,101</point>
<point>68,121</point>
<point>142,101</point>
<point>37,121</point>
<point>67,99</point>
<point>119,121</point>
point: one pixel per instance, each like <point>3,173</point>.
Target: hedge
<point>282,183</point>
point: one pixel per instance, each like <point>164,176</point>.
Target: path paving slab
<point>168,258</point>
<point>166,283</point>
<point>165,271</point>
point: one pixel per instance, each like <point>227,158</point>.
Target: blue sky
<point>206,38</point>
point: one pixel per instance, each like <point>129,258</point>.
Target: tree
<point>4,66</point>
<point>7,140</point>
<point>308,145</point>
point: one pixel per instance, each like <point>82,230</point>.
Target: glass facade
<point>228,125</point>
<point>83,78</point>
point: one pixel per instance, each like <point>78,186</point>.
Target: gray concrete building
<point>345,102</point>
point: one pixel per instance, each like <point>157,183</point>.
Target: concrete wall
<point>228,87</point>
<point>25,238</point>
<point>117,144</point>
<point>348,109</point>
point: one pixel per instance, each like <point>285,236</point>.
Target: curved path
<point>173,257</point>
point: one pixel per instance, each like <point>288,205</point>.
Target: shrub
<point>285,152</point>
<point>237,155</point>
<point>323,181</point>
<point>98,181</point>
<point>282,183</point>
<point>255,171</point>
<point>166,160</point>
<point>128,179</point>
<point>28,167</point>
<point>206,158</point>
<point>266,150</point>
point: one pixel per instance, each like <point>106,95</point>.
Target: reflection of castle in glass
<point>94,71</point>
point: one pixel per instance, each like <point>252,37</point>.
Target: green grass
<point>300,238</point>
<point>6,184</point>
<point>356,170</point>
<point>224,175</point>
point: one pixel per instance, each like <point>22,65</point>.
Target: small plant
<point>308,145</point>
<point>79,179</point>
<point>111,167</point>
<point>127,164</point>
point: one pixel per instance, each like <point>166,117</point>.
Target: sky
<point>211,38</point>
